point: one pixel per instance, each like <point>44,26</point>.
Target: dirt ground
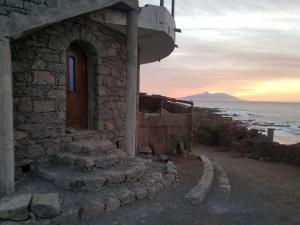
<point>170,205</point>
<point>261,194</point>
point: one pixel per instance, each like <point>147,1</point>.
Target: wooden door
<point>77,89</point>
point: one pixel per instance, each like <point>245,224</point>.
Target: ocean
<point>283,117</point>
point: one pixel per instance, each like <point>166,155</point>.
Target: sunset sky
<point>249,49</point>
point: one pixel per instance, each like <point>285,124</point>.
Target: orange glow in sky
<point>248,49</point>
<point>278,90</point>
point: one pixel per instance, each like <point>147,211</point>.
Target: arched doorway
<point>77,89</point>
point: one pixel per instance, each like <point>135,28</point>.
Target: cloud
<point>229,43</point>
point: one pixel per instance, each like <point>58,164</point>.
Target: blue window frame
<point>71,74</point>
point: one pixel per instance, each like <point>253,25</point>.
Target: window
<point>71,74</point>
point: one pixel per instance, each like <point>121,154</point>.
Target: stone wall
<point>7,7</point>
<point>39,72</point>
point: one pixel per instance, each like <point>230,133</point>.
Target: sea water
<point>281,116</point>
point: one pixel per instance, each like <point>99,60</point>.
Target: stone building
<point>69,72</point>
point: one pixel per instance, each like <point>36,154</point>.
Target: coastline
<point>284,118</point>
<point>210,127</point>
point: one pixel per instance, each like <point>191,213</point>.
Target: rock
<point>94,183</point>
<point>171,171</point>
<point>43,78</point>
<point>92,210</point>
<point>69,217</point>
<point>15,208</point>
<point>141,193</point>
<point>112,204</point>
<point>114,177</point>
<point>127,197</point>
<point>46,205</point>
<point>163,158</point>
<point>157,176</point>
<point>43,106</point>
<point>145,150</point>
<point>20,135</point>
<point>171,168</point>
<point>131,174</point>
<point>39,65</point>
<point>70,130</point>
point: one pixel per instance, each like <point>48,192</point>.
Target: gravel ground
<point>261,194</point>
<point>169,208</point>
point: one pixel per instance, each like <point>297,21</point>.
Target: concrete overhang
<point>18,25</point>
<point>156,33</point>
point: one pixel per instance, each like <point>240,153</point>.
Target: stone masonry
<point>39,73</point>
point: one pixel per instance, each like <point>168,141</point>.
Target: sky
<point>246,48</point>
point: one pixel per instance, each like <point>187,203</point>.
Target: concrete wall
<point>39,72</point>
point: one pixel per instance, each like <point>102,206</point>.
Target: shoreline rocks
<point>210,128</point>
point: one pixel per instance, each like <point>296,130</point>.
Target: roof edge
<point>19,25</point>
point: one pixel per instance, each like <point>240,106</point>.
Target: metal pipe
<point>162,2</point>
<point>173,8</point>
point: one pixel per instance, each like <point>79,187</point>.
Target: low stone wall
<point>209,128</point>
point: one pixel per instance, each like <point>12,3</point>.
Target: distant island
<point>207,96</point>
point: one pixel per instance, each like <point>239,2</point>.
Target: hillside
<point>206,96</point>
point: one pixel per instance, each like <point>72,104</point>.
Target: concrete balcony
<point>156,33</point>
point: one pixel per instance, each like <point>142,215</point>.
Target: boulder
<point>114,177</point>
<point>171,168</point>
<point>46,205</point>
<point>15,208</point>
<point>71,216</point>
<point>141,193</point>
<point>145,150</point>
<point>127,197</point>
<point>163,158</point>
<point>92,210</point>
<point>112,204</point>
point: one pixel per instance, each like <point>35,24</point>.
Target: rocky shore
<point>212,128</point>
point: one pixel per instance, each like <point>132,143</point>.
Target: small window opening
<point>71,74</point>
<point>118,145</point>
<point>26,168</point>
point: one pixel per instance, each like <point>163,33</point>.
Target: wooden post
<point>271,134</point>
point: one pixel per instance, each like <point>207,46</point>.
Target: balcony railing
<point>162,3</point>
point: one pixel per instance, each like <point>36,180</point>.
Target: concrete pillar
<point>7,175</point>
<point>132,65</point>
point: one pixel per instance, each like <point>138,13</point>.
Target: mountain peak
<point>211,96</point>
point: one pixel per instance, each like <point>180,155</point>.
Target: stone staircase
<point>87,164</point>
<point>91,178</point>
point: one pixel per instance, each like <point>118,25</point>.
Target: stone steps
<point>90,147</point>
<point>88,163</point>
<point>83,134</point>
<point>77,181</point>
